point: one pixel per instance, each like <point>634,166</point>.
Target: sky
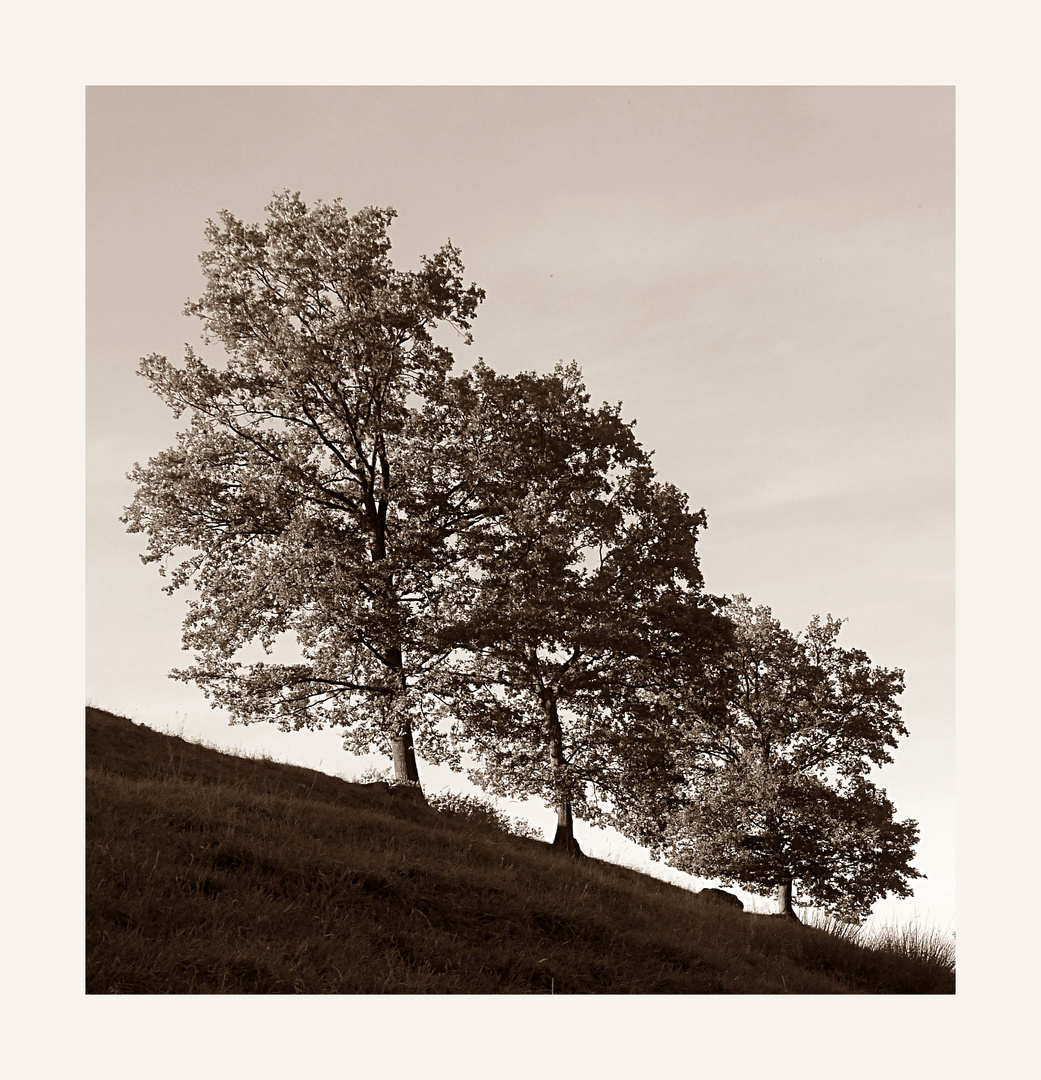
<point>763,277</point>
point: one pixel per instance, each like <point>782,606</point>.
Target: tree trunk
<point>403,755</point>
<point>784,899</point>
<point>564,837</point>
<point>402,749</point>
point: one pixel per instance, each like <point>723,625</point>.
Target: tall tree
<point>312,496</point>
<point>582,592</point>
<point>777,782</point>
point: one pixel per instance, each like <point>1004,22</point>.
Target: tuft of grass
<point>210,873</point>
<point>914,940</point>
<point>924,946</point>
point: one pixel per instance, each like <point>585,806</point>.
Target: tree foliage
<point>777,784</point>
<point>585,591</point>
<point>312,495</point>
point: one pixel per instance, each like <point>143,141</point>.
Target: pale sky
<point>763,277</point>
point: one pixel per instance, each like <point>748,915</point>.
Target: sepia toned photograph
<point>520,540</point>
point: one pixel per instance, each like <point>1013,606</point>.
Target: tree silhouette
<point>777,785</point>
<point>313,498</point>
<point>583,590</point>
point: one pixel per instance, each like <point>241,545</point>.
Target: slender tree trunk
<point>402,750</point>
<point>564,837</point>
<point>784,899</point>
<point>403,755</point>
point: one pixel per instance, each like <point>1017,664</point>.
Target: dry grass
<point>209,873</point>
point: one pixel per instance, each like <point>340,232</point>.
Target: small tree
<point>582,591</point>
<point>777,788</point>
<point>316,493</point>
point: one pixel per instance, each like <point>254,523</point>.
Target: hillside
<point>210,873</point>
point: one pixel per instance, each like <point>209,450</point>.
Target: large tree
<point>584,601</point>
<point>777,781</point>
<point>317,492</point>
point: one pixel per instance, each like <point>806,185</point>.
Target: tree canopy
<point>584,589</point>
<point>306,494</point>
<point>777,784</point>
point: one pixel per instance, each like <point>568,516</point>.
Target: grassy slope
<point>209,873</point>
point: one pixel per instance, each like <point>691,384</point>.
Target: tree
<point>316,494</point>
<point>777,784</point>
<point>582,591</point>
